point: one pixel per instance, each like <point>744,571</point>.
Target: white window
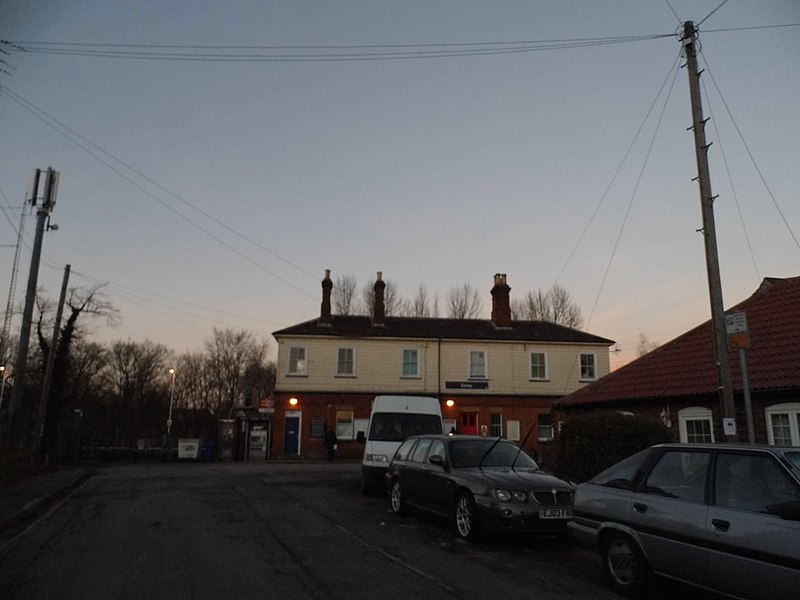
<point>344,425</point>
<point>539,366</point>
<point>360,426</point>
<point>410,362</point>
<point>695,425</point>
<point>783,424</point>
<point>346,362</point>
<point>477,364</point>
<point>588,367</point>
<point>496,424</point>
<point>297,360</point>
<point>545,428</point>
<point>512,430</point>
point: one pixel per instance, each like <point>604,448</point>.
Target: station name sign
<point>466,385</point>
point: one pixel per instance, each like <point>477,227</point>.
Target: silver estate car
<point>725,517</point>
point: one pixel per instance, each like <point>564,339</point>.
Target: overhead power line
<point>83,143</point>
<point>329,53</point>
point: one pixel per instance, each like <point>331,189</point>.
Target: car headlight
<point>503,495</point>
<point>376,458</point>
<point>509,495</point>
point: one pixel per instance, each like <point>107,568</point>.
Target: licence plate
<point>555,513</point>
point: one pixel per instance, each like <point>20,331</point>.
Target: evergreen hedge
<point>589,443</point>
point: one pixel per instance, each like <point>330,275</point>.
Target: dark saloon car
<point>481,483</point>
<point>724,517</point>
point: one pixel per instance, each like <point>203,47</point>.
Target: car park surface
<point>725,517</point>
<point>482,484</point>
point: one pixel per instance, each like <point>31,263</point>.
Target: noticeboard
<point>317,428</point>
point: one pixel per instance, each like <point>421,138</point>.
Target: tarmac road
<point>294,531</point>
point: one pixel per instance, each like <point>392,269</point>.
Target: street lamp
<point>3,386</point>
<point>171,396</point>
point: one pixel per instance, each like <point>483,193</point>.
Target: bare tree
<point>564,310</point>
<point>343,295</point>
<point>534,306</point>
<point>80,302</point>
<point>194,382</point>
<point>232,355</point>
<point>464,302</point>
<point>137,373</point>
<point>555,306</point>
<point>645,345</point>
<point>422,305</point>
<point>392,302</point>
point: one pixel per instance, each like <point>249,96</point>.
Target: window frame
<point>340,362</point>
<point>470,363</point>
<point>341,433</point>
<point>547,426</point>
<point>790,409</point>
<point>297,372</point>
<point>593,376</point>
<point>692,414</point>
<point>403,363</point>
<point>495,429</point>
<point>545,366</point>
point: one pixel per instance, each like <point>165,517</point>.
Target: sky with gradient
<point>217,157</point>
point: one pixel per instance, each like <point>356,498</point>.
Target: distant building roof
<point>686,366</point>
<point>447,329</point>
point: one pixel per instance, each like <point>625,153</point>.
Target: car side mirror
<point>361,438</point>
<point>436,460</point>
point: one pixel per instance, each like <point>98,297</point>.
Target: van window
<point>395,427</point>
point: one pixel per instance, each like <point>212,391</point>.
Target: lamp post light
<point>171,397</point>
<point>3,385</point>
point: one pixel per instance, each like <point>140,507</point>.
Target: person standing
<point>330,441</point>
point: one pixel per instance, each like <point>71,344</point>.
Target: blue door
<point>291,436</point>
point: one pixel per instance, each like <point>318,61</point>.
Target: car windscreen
<point>794,458</point>
<point>395,427</point>
<point>473,453</point>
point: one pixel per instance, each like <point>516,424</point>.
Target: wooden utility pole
<point>41,415</point>
<point>727,406</point>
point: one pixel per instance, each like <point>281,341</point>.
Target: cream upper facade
<point>436,366</point>
<point>407,355</point>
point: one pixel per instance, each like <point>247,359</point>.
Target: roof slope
<point>686,366</point>
<point>448,329</point>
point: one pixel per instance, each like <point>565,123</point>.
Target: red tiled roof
<point>686,366</point>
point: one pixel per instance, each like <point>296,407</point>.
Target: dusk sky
<point>217,157</point>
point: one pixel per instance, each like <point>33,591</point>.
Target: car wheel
<point>624,565</point>
<point>467,517</point>
<point>398,503</point>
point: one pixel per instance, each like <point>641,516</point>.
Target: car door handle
<point>720,524</point>
<point>639,508</point>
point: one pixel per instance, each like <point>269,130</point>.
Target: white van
<point>392,420</point>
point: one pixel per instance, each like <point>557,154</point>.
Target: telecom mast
<point>12,288</point>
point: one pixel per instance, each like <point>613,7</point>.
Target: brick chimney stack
<point>501,304</point>
<point>379,309</point>
<point>325,319</point>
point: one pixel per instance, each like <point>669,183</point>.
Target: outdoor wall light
<point>451,403</point>
<point>293,401</point>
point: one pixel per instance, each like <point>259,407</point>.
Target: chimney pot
<point>501,303</point>
<point>379,310</point>
<point>325,317</point>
